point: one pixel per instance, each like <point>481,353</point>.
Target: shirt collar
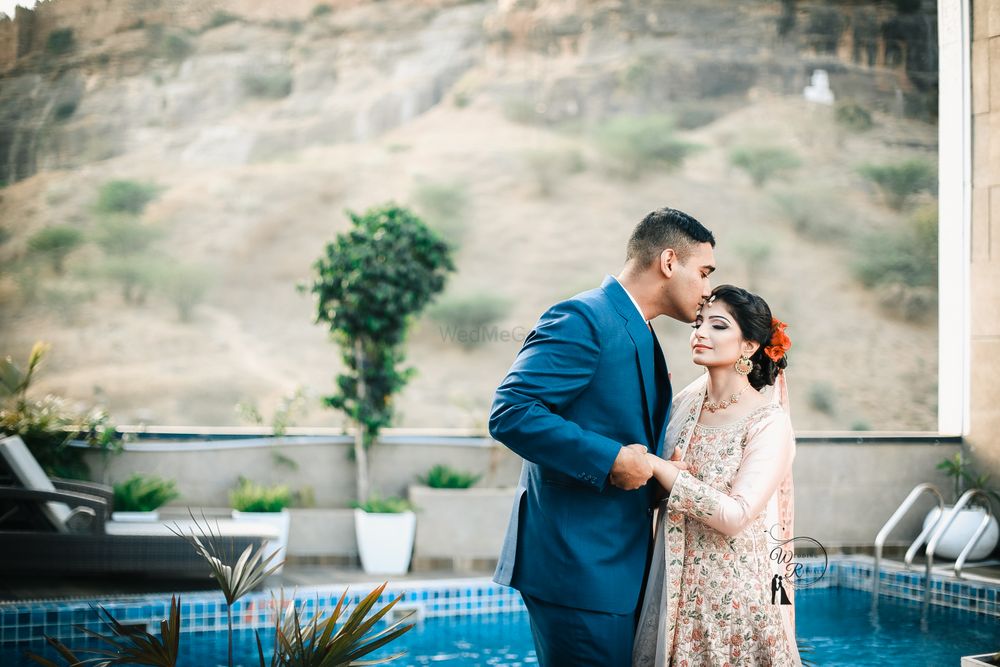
<point>632,298</point>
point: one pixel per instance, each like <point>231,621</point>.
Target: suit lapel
<point>642,339</point>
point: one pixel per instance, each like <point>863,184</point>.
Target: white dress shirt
<point>634,302</point>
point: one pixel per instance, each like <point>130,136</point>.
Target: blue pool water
<point>837,622</point>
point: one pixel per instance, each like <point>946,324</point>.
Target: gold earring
<point>744,365</point>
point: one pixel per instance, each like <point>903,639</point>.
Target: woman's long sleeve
<point>767,458</point>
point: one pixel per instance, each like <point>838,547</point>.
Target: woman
<point>721,556</point>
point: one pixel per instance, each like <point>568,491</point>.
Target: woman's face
<point>717,339</point>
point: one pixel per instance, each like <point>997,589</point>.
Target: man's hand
<point>631,469</point>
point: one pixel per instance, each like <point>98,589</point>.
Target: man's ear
<point>668,261</point>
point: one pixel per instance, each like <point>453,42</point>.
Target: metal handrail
<point>896,517</point>
<point>970,545</point>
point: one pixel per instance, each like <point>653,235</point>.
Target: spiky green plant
<point>127,645</point>
<point>320,643</point>
<point>316,643</point>
<point>446,477</point>
<point>236,576</point>
<point>144,493</point>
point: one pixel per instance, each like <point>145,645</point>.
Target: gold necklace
<point>722,405</point>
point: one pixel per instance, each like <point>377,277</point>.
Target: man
<point>587,395</point>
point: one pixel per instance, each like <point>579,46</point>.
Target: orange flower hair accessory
<point>780,342</point>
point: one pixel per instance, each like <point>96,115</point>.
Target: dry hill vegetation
<point>170,178</point>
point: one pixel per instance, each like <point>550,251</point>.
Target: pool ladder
<point>935,530</point>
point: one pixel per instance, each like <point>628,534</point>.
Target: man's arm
<point>556,363</point>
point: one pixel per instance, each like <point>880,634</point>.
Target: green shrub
<point>55,244</point>
<point>121,235</point>
<point>135,274</point>
<point>853,116</point>
<point>446,477</point>
<point>60,41</point>
<point>638,145</point>
<point>185,285</point>
<point>140,493</point>
<point>814,213</point>
<point>548,166</point>
<point>268,83</point>
<point>220,18</point>
<point>691,117</point>
<point>293,26</point>
<point>65,109</point>
<point>321,10</point>
<point>173,45</point>
<point>251,497</point>
<point>468,319</point>
<point>444,207</point>
<point>907,256</point>
<point>763,163</point>
<point>125,196</point>
<point>822,397</point>
<point>378,505</point>
<point>899,181</point>
<point>47,425</point>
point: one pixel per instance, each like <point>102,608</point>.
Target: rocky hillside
<point>534,135</point>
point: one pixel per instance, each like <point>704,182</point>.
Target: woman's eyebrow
<point>719,317</point>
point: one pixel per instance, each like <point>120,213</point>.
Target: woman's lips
<point>701,347</point>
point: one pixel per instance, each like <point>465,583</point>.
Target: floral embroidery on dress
<point>717,607</point>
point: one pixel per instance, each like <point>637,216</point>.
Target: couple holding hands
<point>644,521</point>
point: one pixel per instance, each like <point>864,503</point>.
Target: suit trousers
<point>568,637</point>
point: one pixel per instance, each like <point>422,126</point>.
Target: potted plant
<point>264,504</point>
<point>370,283</point>
<point>139,496</point>
<point>385,528</point>
<point>969,517</point>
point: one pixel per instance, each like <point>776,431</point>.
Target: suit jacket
<point>582,385</point>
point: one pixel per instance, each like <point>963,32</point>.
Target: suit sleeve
<point>768,457</point>
<point>556,363</point>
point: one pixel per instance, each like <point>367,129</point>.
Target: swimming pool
<point>474,622</point>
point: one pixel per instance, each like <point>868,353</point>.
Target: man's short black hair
<point>666,228</point>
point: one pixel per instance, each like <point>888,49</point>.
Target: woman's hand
<point>665,472</point>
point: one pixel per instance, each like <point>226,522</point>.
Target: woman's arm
<point>767,458</point>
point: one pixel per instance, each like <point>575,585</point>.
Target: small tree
<point>125,196</point>
<point>763,163</point>
<point>55,243</point>
<point>899,181</point>
<point>370,282</point>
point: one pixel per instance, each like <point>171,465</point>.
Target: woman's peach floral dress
<point>719,539</point>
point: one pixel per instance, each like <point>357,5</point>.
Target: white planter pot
<point>280,520</point>
<point>385,541</point>
<point>960,532</point>
<point>136,517</point>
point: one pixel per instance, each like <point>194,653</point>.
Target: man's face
<point>689,285</point>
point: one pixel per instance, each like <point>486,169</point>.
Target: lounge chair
<point>63,527</point>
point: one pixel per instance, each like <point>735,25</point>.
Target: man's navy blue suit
<point>589,379</point>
